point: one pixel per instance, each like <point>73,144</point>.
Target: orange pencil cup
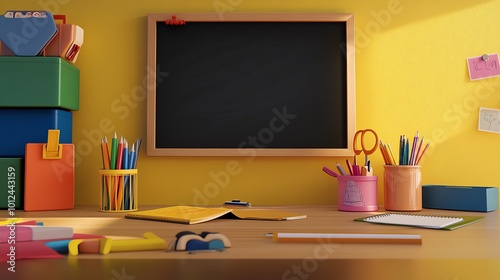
<point>402,188</point>
<point>118,190</point>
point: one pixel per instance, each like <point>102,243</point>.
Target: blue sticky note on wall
<point>27,33</point>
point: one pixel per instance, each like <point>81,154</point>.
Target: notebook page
<point>413,220</point>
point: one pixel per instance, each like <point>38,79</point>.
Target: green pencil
<point>114,151</point>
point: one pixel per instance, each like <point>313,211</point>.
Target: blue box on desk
<point>41,82</point>
<point>22,126</point>
<point>12,186</point>
<point>462,198</point>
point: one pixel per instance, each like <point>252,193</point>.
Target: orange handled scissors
<point>357,151</point>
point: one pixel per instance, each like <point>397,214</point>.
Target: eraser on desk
<point>190,241</point>
<point>461,198</point>
<point>49,175</point>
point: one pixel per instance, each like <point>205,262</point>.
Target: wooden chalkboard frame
<point>154,18</point>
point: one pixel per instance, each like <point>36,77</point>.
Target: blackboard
<point>250,84</point>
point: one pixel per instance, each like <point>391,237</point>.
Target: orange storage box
<point>49,175</point>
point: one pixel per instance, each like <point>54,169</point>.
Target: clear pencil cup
<point>118,190</point>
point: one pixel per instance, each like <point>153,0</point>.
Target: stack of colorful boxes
<point>37,94</point>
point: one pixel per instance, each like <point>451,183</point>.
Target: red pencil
<point>119,156</point>
<point>422,154</point>
<point>349,166</point>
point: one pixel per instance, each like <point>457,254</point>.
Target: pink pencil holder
<point>357,193</point>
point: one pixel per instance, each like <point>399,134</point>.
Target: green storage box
<point>11,183</point>
<point>46,82</point>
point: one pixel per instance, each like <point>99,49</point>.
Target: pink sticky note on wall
<point>481,67</point>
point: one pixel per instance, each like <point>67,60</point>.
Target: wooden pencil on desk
<point>347,238</point>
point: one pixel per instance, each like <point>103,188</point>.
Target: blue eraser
<point>197,245</point>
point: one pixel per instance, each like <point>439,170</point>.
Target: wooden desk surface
<point>466,252</point>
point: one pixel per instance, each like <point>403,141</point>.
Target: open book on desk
<point>421,220</point>
<point>195,215</point>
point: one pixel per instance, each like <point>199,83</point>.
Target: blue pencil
<point>407,152</point>
<point>125,161</point>
<point>138,145</point>
<point>132,161</point>
<point>132,157</point>
<point>137,148</point>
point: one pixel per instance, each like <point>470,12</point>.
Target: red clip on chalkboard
<point>175,21</point>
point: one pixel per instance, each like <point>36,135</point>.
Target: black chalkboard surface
<point>250,87</point>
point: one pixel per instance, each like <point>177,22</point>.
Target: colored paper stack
<point>39,89</point>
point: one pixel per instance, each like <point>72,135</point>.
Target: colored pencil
<point>422,154</point>
<point>413,149</point>
<point>347,238</point>
<point>114,151</point>
<point>391,156</point>
<point>401,149</point>
<point>418,150</point>
<point>349,166</point>
<point>407,151</point>
<point>384,153</point>
<point>119,154</point>
<point>105,158</point>
<point>105,153</point>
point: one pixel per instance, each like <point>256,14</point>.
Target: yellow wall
<point>411,75</point>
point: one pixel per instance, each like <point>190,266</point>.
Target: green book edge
<point>467,220</point>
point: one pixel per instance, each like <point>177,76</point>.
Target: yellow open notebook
<point>195,215</point>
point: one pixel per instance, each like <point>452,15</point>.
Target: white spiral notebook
<point>417,220</point>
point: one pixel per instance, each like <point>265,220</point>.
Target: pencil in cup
<point>407,155</point>
<point>119,191</point>
<point>126,182</point>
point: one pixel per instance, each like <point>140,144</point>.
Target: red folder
<point>49,181</point>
